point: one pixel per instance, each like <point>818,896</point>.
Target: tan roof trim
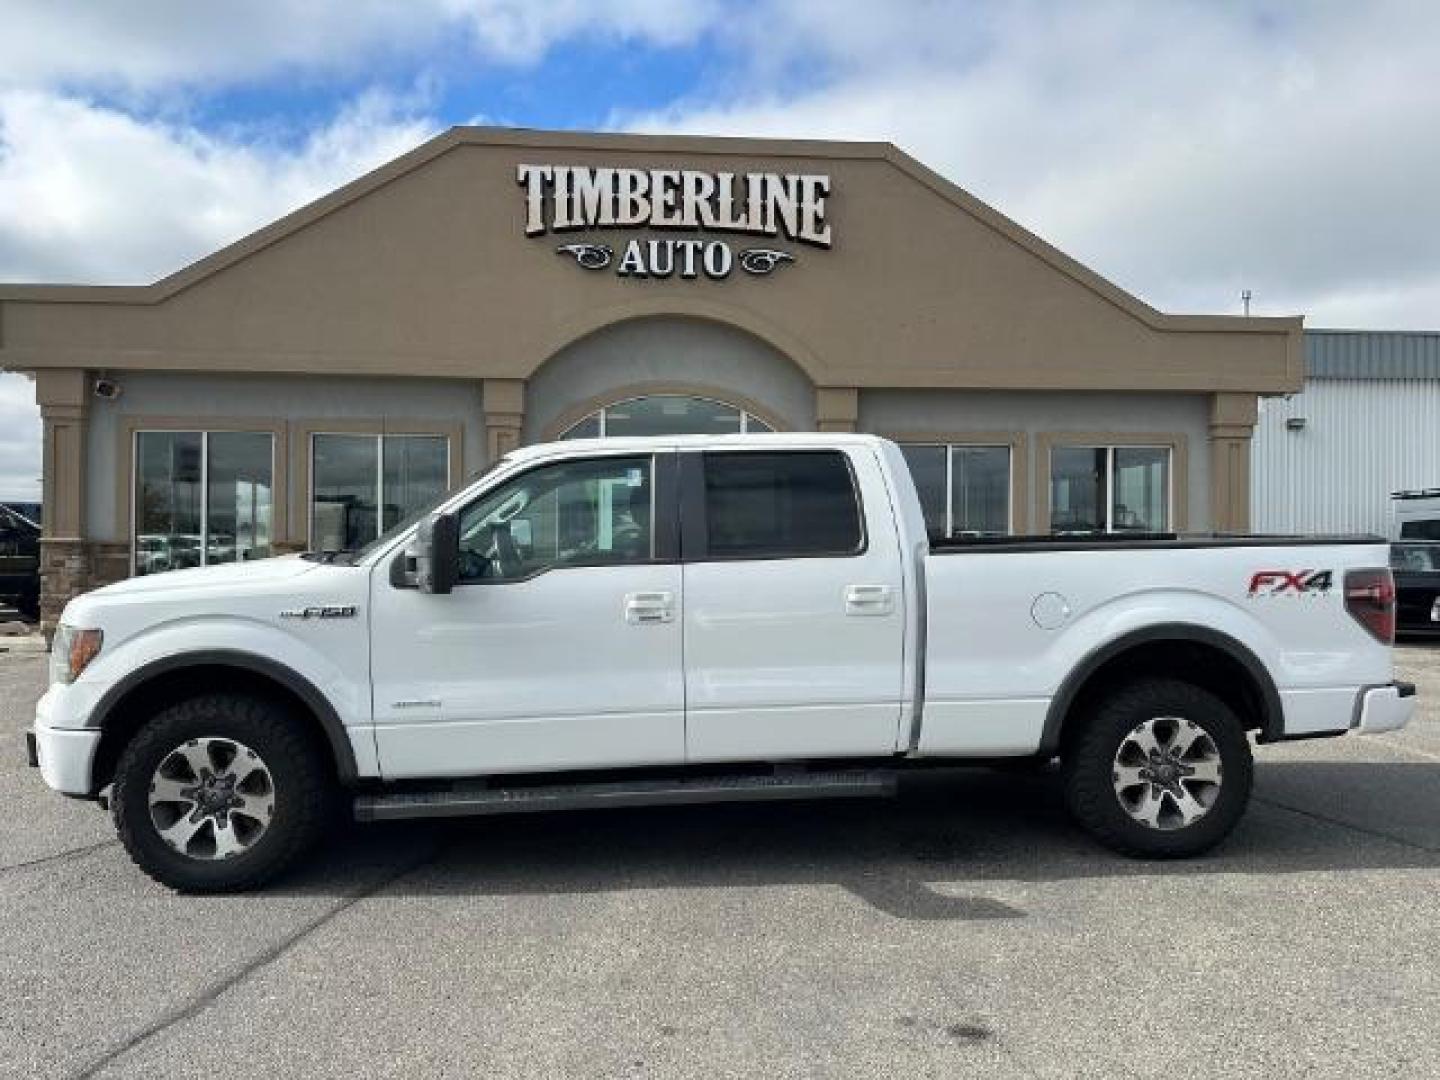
<point>676,144</point>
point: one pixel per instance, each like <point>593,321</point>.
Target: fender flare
<point>1272,712</point>
<point>297,684</point>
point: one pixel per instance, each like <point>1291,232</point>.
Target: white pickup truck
<point>641,621</point>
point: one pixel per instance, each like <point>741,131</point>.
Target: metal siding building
<point>1366,423</point>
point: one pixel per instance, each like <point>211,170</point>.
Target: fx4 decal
<point>1300,582</point>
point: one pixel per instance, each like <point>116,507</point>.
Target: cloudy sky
<point>1186,149</point>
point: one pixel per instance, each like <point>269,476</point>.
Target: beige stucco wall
<point>425,266</point>
<point>660,354</point>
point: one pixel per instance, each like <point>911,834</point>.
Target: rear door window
<point>781,505</point>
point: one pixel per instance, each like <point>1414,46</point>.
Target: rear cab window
<point>780,505</point>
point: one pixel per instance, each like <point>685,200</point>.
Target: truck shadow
<point>928,855</point>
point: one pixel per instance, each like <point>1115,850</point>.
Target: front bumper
<point>1384,708</point>
<point>65,756</point>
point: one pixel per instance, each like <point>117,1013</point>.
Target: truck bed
<point>1006,627</point>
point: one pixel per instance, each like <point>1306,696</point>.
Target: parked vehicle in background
<point>31,510</point>
<point>1417,587</point>
<point>625,621</point>
<point>1416,514</point>
<point>19,561</point>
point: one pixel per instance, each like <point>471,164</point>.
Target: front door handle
<point>649,607</point>
<point>869,600</point>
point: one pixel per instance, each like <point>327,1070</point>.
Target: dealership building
<point>315,382</point>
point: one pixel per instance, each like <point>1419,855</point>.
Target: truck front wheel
<point>1161,769</point>
<point>220,793</point>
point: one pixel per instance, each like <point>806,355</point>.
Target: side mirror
<point>437,553</point>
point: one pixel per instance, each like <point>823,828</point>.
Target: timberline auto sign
<point>572,198</point>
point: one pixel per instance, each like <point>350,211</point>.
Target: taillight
<point>1370,598</point>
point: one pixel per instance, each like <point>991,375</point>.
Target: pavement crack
<point>60,856</point>
<point>1363,830</point>
<point>212,993</point>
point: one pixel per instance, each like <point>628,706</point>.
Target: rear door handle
<point>649,607</point>
<point>869,600</point>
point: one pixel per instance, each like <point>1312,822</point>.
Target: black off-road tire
<point>305,793</point>
<point>1087,769</point>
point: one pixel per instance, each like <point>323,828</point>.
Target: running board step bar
<point>463,800</point>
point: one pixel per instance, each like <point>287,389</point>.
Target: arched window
<point>666,414</point>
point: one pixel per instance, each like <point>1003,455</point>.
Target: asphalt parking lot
<point>963,929</point>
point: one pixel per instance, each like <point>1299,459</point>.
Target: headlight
<point>72,651</point>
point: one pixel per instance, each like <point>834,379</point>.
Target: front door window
<point>575,513</point>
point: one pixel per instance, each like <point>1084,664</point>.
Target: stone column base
<point>64,574</point>
<point>69,567</point>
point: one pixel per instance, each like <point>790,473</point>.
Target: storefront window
<point>979,490</point>
<point>1140,499</point>
<point>238,496</point>
<point>346,484</point>
<point>1077,489</point>
<point>201,498</point>
<point>964,490</point>
<point>416,473</point>
<point>363,484</point>
<point>930,469</point>
<point>666,414</point>
<point>1109,489</point>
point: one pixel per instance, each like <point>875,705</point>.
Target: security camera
<point>107,389</point>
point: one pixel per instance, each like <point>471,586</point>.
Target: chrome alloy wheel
<point>211,798</point>
<point>1167,773</point>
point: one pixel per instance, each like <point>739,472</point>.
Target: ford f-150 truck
<point>641,621</point>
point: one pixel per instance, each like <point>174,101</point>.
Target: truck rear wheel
<point>1162,769</point>
<point>220,793</point>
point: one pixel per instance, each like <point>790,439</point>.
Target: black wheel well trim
<point>288,677</point>
<point>1272,717</point>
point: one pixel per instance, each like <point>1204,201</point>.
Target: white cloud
<point>89,193</point>
<point>1187,150</point>
<point>159,44</point>
<point>520,31</point>
<point>19,440</point>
